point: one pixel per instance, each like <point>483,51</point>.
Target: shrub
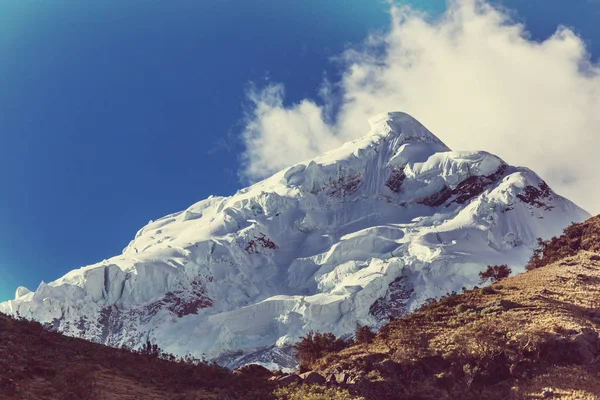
<point>555,249</point>
<point>151,350</point>
<point>539,258</point>
<point>364,334</point>
<point>312,392</point>
<point>487,290</point>
<point>575,237</point>
<point>315,345</point>
<point>494,273</point>
<point>461,308</point>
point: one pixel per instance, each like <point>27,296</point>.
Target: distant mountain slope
<point>358,235</point>
<point>532,336</point>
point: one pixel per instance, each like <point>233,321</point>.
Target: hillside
<point>534,335</point>
<point>531,336</point>
<point>37,364</point>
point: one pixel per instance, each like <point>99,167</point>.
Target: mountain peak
<point>404,125</point>
<point>357,236</point>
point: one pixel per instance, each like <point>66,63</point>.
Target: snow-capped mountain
<point>358,235</point>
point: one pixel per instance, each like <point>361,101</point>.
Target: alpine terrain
<point>530,336</point>
<point>358,236</point>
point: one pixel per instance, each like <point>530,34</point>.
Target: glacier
<point>357,236</point>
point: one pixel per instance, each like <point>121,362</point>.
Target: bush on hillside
<point>151,350</point>
<point>494,273</point>
<point>315,345</point>
<point>576,237</point>
<point>364,335</point>
<point>541,256</point>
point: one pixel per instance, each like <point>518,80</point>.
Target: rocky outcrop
<point>254,370</point>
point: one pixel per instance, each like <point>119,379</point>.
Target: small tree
<point>315,345</point>
<point>537,258</point>
<point>364,334</point>
<point>151,350</point>
<point>494,273</point>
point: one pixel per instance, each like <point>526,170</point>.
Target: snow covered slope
<point>356,236</point>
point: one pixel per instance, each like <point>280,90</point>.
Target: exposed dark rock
<point>254,370</point>
<point>439,198</point>
<point>393,304</point>
<point>464,191</point>
<point>587,345</point>
<point>535,196</point>
<point>433,364</point>
<point>313,378</point>
<point>260,242</point>
<point>388,366</point>
<point>395,181</point>
<point>111,322</point>
<point>373,358</point>
<point>521,369</point>
<point>494,370</point>
<point>500,306</point>
<point>342,186</point>
<point>474,186</point>
<point>182,303</point>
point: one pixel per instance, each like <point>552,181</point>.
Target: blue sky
<point>116,112</point>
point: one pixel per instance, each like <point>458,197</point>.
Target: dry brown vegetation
<point>584,236</point>
<point>531,336</point>
<point>38,364</point>
<point>494,273</point>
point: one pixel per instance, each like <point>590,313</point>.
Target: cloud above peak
<point>473,77</point>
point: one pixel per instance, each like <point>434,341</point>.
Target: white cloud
<point>473,78</point>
